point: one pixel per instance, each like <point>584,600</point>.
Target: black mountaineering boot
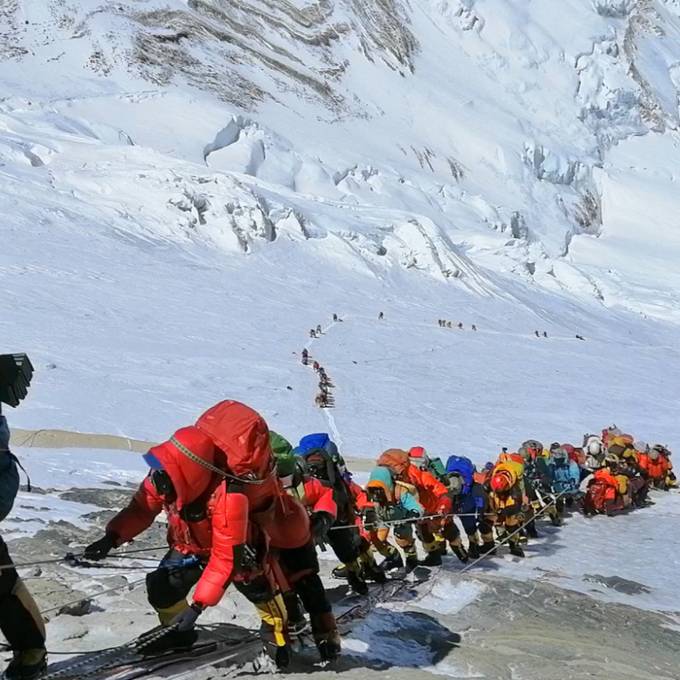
<point>460,552</point>
<point>488,548</point>
<point>412,562</point>
<point>356,583</point>
<point>516,549</point>
<point>531,529</point>
<point>340,571</point>
<point>326,636</point>
<point>432,559</point>
<point>172,641</point>
<point>392,561</point>
<point>372,572</point>
<point>28,665</point>
<point>282,656</point>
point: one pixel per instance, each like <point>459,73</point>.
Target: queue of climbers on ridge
<point>443,323</point>
<point>246,508</point>
<point>324,397</point>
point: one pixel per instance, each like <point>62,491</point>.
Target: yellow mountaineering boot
<point>274,630</point>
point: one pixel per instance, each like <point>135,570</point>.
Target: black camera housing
<point>16,372</point>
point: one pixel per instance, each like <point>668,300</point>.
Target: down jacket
<point>213,517</point>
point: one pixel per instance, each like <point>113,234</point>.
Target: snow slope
<point>178,228</point>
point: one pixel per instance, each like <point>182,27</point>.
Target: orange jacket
<point>607,479</point>
<point>654,469</point>
<point>211,517</point>
<point>432,494</point>
<point>319,498</point>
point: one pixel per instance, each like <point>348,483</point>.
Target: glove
<point>321,523</point>
<point>186,620</point>
<point>101,548</point>
<point>370,516</point>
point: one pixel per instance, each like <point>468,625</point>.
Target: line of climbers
<point>324,397</point>
<point>414,496</point>
<point>621,470</point>
<point>443,323</point>
<point>245,508</point>
<point>421,496</point>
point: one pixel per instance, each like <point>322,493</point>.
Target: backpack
<point>242,436</point>
<point>9,483</point>
<point>464,467</point>
<point>396,460</point>
<point>436,468</point>
<point>319,440</point>
<point>619,443</point>
<point>280,445</point>
<point>596,497</point>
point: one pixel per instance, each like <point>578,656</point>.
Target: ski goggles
<point>376,494</point>
<point>163,485</point>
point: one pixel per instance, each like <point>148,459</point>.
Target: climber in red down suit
<point>229,520</point>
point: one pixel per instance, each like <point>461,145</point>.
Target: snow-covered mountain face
<point>187,186</point>
<point>454,137</point>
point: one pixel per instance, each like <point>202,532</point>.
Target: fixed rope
<point>71,556</point>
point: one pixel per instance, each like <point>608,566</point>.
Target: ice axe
<point>16,372</point>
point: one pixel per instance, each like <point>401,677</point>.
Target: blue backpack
<point>309,442</point>
<point>464,467</point>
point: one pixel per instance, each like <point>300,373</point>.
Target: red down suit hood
<point>180,457</point>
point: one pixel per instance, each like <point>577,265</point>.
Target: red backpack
<point>242,436</point>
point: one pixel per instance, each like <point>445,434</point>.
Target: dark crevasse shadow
<point>388,639</point>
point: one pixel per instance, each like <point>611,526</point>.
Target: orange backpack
<point>396,460</point>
